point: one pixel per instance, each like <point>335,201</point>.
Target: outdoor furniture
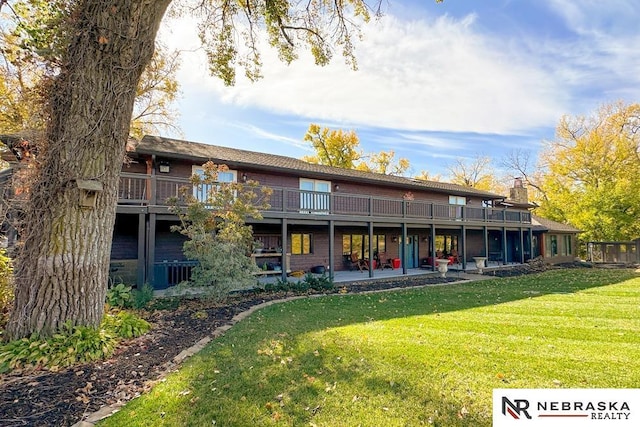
<point>455,258</point>
<point>358,263</point>
<point>384,262</point>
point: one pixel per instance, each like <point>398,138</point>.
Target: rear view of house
<point>320,217</point>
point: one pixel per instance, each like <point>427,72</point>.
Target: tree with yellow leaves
<point>341,149</point>
<point>591,173</point>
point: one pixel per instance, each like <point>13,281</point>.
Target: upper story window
<point>457,200</point>
<point>312,199</point>
<point>456,209</point>
<point>200,192</point>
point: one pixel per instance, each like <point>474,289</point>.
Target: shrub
<point>317,283</point>
<point>125,324</point>
<point>141,297</point>
<point>119,295</point>
<point>72,344</point>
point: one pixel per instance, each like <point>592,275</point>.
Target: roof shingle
<point>197,151</point>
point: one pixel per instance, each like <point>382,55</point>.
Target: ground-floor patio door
<point>411,249</point>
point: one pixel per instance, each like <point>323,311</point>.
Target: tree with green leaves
<point>98,52</point>
<point>592,173</point>
<point>214,222</point>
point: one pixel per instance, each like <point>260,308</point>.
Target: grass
<point>428,356</point>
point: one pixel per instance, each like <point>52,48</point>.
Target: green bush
<point>72,344</point>
<point>119,295</point>
<point>141,297</point>
<point>125,324</point>
<point>6,287</point>
<point>310,282</point>
<point>317,283</point>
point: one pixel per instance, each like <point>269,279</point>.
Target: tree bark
<point>61,267</point>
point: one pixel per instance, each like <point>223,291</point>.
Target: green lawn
<point>428,356</point>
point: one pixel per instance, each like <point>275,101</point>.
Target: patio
<point>345,276</point>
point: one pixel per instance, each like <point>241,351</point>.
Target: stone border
<point>106,411</point>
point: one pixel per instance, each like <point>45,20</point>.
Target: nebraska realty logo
<point>566,407</point>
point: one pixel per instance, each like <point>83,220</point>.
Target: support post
<point>332,233</point>
<point>285,245</point>
<point>433,247</point>
<point>151,249</point>
<point>504,245</point>
<point>521,235</point>
<point>403,248</point>
<point>142,226</point>
<point>370,224</point>
<point>463,250</point>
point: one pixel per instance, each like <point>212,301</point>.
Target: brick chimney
<point>519,192</point>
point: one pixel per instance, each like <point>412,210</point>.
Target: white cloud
<point>270,136</point>
<point>415,76</point>
<point>443,75</point>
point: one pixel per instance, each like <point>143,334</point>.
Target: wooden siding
<point>125,237</point>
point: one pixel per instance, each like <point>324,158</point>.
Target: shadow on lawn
<point>452,296</point>
<point>289,380</point>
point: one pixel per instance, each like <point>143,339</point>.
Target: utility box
<point>89,190</point>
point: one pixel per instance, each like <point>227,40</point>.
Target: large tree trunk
<point>63,259</point>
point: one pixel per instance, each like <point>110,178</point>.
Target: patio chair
<point>384,262</point>
<point>455,257</point>
<point>358,263</point>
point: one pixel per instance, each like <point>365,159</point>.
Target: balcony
<point>145,190</point>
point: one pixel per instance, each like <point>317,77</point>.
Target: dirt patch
<point>63,398</point>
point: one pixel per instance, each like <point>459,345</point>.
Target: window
<point>456,209</point>
<point>566,250</point>
<point>446,243</point>
<point>301,243</point>
<point>551,247</point>
<point>457,200</point>
<point>200,192</point>
<point>359,243</point>
<point>312,199</point>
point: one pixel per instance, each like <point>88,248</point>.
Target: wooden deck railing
<point>147,190</point>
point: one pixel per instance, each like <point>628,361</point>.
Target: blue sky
<point>435,82</point>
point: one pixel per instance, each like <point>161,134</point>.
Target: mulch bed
<point>62,398</point>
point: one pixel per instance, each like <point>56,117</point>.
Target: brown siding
<point>183,169</point>
<point>475,244</point>
<point>125,237</point>
<point>168,243</point>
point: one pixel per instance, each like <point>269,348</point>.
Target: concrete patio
<point>454,270</point>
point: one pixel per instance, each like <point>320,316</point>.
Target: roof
<point>544,224</point>
<point>176,148</point>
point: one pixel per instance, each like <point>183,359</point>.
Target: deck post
<point>504,245</point>
<point>433,247</point>
<point>403,248</point>
<point>520,231</point>
<point>142,226</point>
<point>370,226</point>
<point>485,235</point>
<point>332,234</point>
<point>463,251</point>
<point>151,248</point>
<point>285,244</point>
